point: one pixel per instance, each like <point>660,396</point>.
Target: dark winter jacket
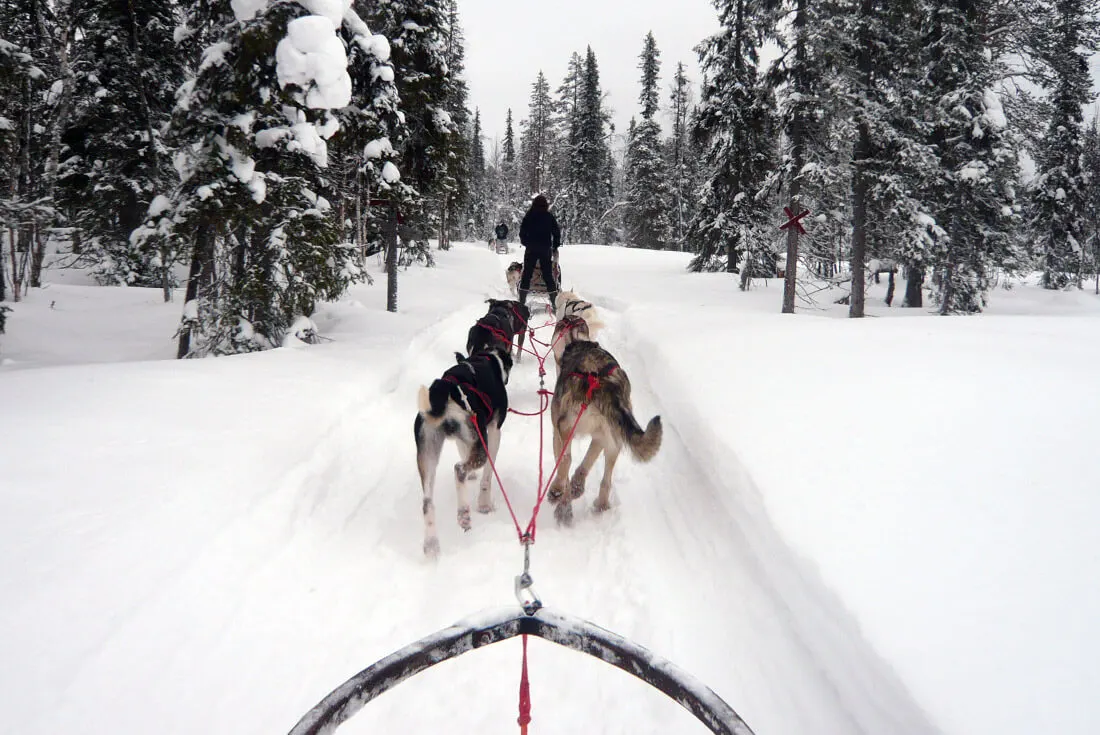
<point>502,231</point>
<point>539,230</point>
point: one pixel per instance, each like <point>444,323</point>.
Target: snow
<point>214,55</point>
<point>390,174</point>
<point>307,138</point>
<point>159,205</point>
<point>385,73</point>
<point>994,112</point>
<point>245,10</point>
<point>312,57</point>
<point>853,526</point>
<point>333,10</point>
<point>378,148</point>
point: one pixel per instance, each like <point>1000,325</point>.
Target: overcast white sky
<point>509,41</point>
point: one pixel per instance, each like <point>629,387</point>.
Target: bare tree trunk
<point>948,289</point>
<point>914,293</point>
<point>860,158</point>
<point>63,12</point>
<point>890,290</point>
<point>797,132</point>
<point>391,260</point>
<point>859,222</point>
<point>199,281</point>
<point>3,281</point>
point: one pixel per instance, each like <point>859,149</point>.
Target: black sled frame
<point>580,635</point>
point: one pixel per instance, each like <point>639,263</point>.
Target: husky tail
<point>433,401</point>
<point>643,444</point>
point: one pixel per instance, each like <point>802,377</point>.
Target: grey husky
<point>589,375</point>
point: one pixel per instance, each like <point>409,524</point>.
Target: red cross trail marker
<point>793,219</point>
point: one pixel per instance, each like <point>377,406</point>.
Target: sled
<point>493,627</point>
<point>538,285</point>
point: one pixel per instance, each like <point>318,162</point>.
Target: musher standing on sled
<point>541,237</point>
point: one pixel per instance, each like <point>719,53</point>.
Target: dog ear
<point>459,358</point>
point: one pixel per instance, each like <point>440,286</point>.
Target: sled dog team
<point>469,404</point>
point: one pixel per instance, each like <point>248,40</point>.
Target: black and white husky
<point>468,399</point>
<point>499,328</point>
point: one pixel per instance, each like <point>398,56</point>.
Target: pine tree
<point>889,159</point>
<point>254,203</point>
<point>973,198</point>
<point>1060,191</point>
<point>649,194</point>
<point>28,69</point>
<point>817,162</point>
<point>591,157</point>
<point>509,139</point>
<point>126,71</point>
<point>477,218</point>
<point>1090,164</point>
<point>455,194</point>
<point>681,158</point>
<point>419,33</point>
<point>735,127</point>
<point>563,157</point>
<point>365,152</point>
<point>537,139</point>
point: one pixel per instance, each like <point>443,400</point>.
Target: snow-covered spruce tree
<point>22,81</point>
<point>454,192</point>
<point>364,150</point>
<point>126,69</point>
<point>1090,163</point>
<point>682,155</point>
<point>648,193</point>
<point>537,138</point>
<point>28,71</point>
<point>879,68</point>
<point>817,162</point>
<point>479,196</point>
<point>509,169</point>
<point>566,111</point>
<point>591,160</point>
<point>735,127</point>
<point>973,197</point>
<point>418,32</point>
<point>253,200</point>
<point>1059,194</point>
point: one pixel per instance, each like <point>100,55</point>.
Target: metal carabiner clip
<point>526,595</point>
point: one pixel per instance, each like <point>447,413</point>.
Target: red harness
<point>594,379</point>
<point>467,385</point>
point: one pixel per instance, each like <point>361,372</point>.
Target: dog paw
<point>464,518</point>
<point>431,547</point>
<point>485,504</point>
<point>563,513</point>
<point>576,487</point>
<point>556,494</point>
<point>601,505</point>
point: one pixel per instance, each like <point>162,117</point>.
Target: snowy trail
<point>670,537</point>
<point>316,571</point>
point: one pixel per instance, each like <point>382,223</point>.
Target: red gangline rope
<point>528,535</point>
<point>524,693</point>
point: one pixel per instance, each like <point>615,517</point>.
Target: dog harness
<point>594,379</point>
<point>569,305</point>
<point>470,385</point>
